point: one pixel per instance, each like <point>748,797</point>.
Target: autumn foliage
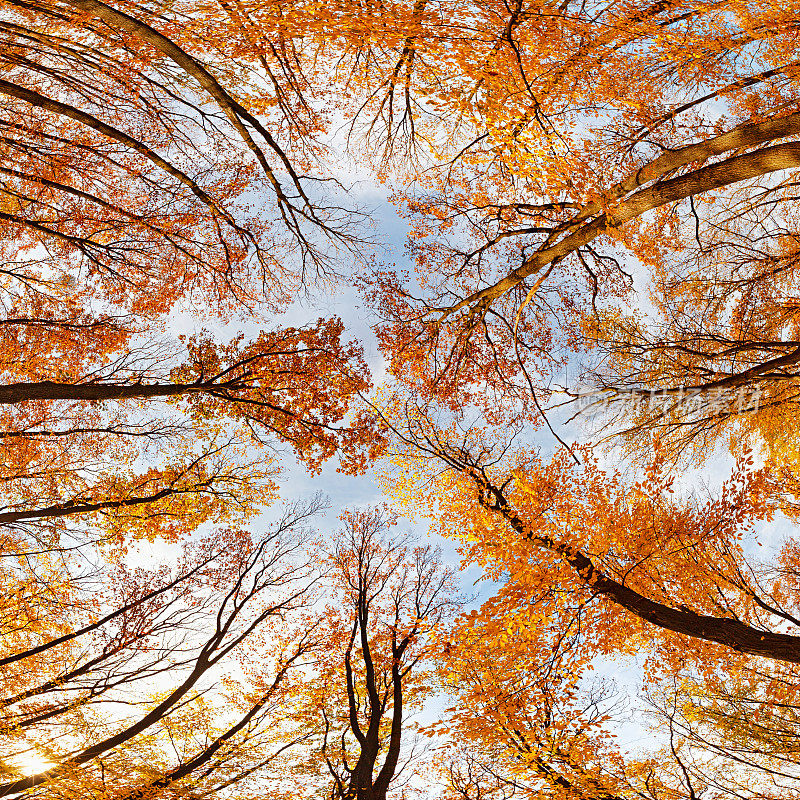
<point>589,367</point>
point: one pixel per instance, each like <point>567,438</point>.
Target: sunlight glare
<point>31,762</point>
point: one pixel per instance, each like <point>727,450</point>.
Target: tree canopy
<point>586,381</point>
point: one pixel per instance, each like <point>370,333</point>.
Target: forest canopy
<point>566,365</point>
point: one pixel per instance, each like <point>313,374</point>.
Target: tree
<point>468,776</point>
<point>100,687</point>
<point>723,747</point>
<point>530,723</point>
<point>719,349</point>
<point>601,151</point>
<point>541,728</point>
<point>131,172</point>
<point>133,157</point>
<point>66,443</point>
<point>390,600</point>
<point>642,551</point>
<point>582,148</point>
<point>590,564</point>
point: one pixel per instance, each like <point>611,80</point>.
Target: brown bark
<point>746,377</point>
<point>51,390</point>
<point>582,229</point>
<point>723,630</point>
<point>77,507</point>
